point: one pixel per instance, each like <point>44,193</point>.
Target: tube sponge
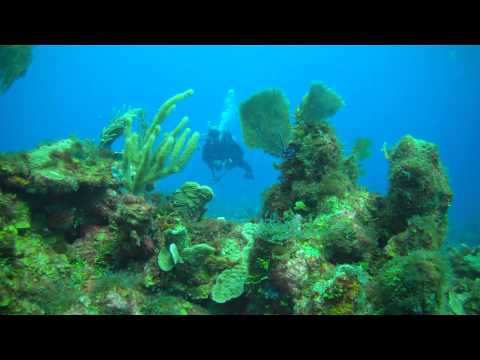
<point>142,165</point>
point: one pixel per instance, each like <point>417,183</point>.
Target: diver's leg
<point>248,170</point>
<point>214,176</point>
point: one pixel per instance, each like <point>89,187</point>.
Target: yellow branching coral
<point>265,121</point>
<point>319,104</point>
<point>141,164</point>
<point>14,61</point>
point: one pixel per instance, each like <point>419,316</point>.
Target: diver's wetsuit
<point>222,152</point>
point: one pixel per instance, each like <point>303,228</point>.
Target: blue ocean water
<point>430,92</point>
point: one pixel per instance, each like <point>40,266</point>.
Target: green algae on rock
<point>62,167</point>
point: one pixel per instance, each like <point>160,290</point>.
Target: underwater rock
<point>412,284</point>
<point>118,229</point>
<point>292,276</point>
<point>60,168</point>
<point>98,248</point>
<point>423,232</point>
<point>418,183</point>
<point>35,279</point>
<point>347,241</point>
<point>345,228</point>
<point>13,212</point>
<point>315,171</point>
<point>339,292</point>
<point>60,218</point>
<point>414,215</point>
<point>172,305</point>
<point>123,302</point>
<point>211,231</point>
<point>103,207</point>
<point>279,266</point>
<point>133,213</point>
<point>465,291</point>
<point>14,220</point>
<point>465,261</point>
<point>343,232</point>
<point>290,257</point>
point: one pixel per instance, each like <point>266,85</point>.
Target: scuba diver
<point>221,153</point>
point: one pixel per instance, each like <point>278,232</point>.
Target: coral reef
<point>464,295</point>
<point>60,168</point>
<point>412,284</point>
<point>313,170</point>
<point>414,214</point>
<point>81,234</point>
<point>418,181</point>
